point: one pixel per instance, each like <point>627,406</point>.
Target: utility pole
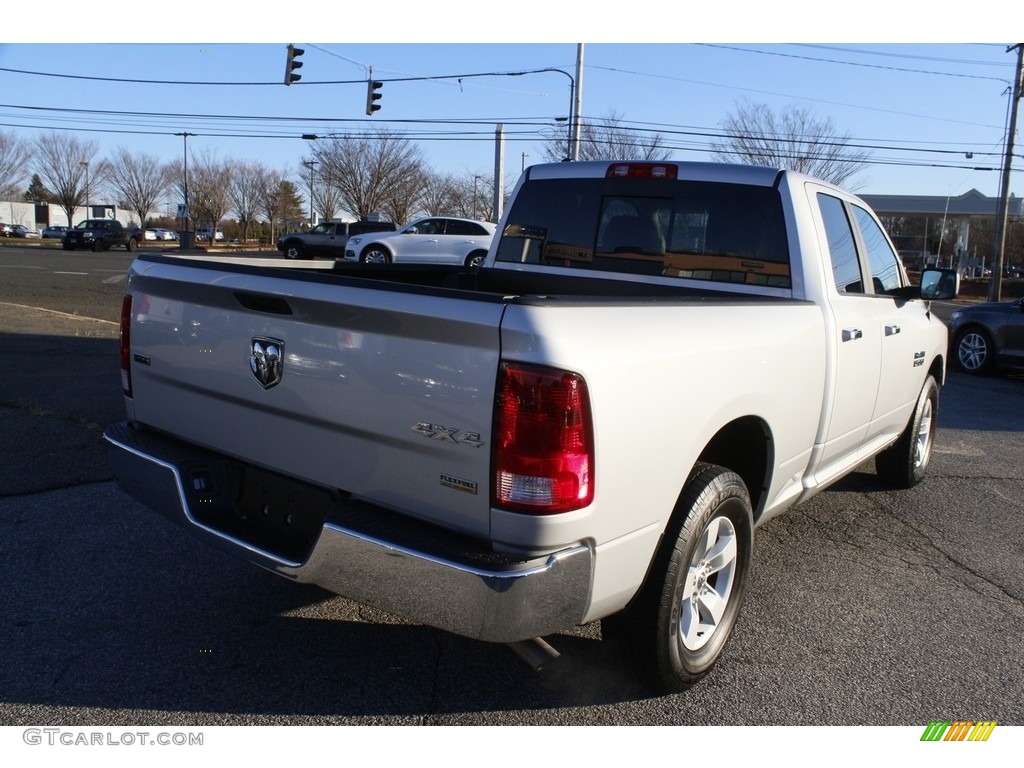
<point>577,107</point>
<point>999,245</point>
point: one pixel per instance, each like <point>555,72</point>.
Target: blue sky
<point>921,105</point>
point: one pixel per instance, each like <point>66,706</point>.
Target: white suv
<point>435,240</point>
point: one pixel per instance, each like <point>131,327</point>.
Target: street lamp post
<point>573,141</point>
<point>186,241</point>
<point>310,164</point>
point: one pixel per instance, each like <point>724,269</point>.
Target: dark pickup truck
<point>328,238</point>
<point>99,235</point>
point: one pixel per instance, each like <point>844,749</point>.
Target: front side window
<point>427,227</point>
<point>885,268</point>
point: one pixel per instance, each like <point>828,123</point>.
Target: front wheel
<point>904,463</point>
<point>974,351</point>
<point>375,254</point>
<point>293,251</point>
<point>678,625</point>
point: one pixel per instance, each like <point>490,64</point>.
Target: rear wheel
<point>475,259</point>
<point>678,625</point>
<point>131,244</point>
<point>375,254</point>
<point>904,464</point>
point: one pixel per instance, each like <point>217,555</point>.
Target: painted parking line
<point>70,273</point>
<point>58,313</point>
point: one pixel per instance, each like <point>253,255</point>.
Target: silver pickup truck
<point>654,359</point>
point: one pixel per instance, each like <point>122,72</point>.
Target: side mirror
<point>939,284</point>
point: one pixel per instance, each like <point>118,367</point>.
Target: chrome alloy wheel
<point>972,351</point>
<point>923,444</point>
<point>710,578</point>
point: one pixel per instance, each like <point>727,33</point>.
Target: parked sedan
<point>988,337</point>
<point>54,233</point>
<point>20,230</point>
<point>436,240</point>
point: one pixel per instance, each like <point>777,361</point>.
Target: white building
<point>39,216</point>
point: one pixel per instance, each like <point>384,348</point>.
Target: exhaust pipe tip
<point>536,652</point>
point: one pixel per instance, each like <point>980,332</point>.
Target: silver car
<point>433,240</point>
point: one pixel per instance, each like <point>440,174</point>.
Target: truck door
<point>855,328</point>
<point>903,330</point>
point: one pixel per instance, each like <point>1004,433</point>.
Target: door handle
<point>892,330</point>
<point>852,334</point>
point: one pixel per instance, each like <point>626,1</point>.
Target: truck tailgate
<point>386,394</point>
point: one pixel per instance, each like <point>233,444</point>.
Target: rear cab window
<point>693,230</point>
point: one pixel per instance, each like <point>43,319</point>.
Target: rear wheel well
<point>745,446</point>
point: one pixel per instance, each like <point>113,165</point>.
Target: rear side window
<point>465,228</point>
<point>842,247</point>
<point>696,230</point>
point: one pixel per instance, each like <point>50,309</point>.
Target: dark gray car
<point>328,238</point>
<point>988,337</point>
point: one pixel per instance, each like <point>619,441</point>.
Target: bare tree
<point>209,182</point>
<point>14,157</point>
<point>244,191</point>
<point>439,195</point>
<point>608,139</point>
<point>793,139</point>
<point>271,196</point>
<point>383,172</point>
<point>64,163</point>
<point>140,181</point>
<point>322,189</point>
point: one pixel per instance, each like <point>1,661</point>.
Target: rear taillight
<point>126,324</point>
<point>543,441</point>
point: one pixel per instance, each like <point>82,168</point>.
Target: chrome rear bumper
<point>369,554</point>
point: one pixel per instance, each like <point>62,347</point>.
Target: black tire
<point>973,350</point>
<point>97,246</point>
<point>293,250</point>
<point>905,463</point>
<point>375,254</point>
<point>677,626</point>
<point>475,259</point>
<point>131,245</point>
<point>66,247</point>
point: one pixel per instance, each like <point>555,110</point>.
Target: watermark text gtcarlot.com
<point>70,737</point>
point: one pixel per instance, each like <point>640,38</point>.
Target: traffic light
<point>372,94</point>
<point>291,65</point>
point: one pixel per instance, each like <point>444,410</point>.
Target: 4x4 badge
<point>266,360</point>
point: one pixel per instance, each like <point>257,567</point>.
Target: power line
<point>783,54</point>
